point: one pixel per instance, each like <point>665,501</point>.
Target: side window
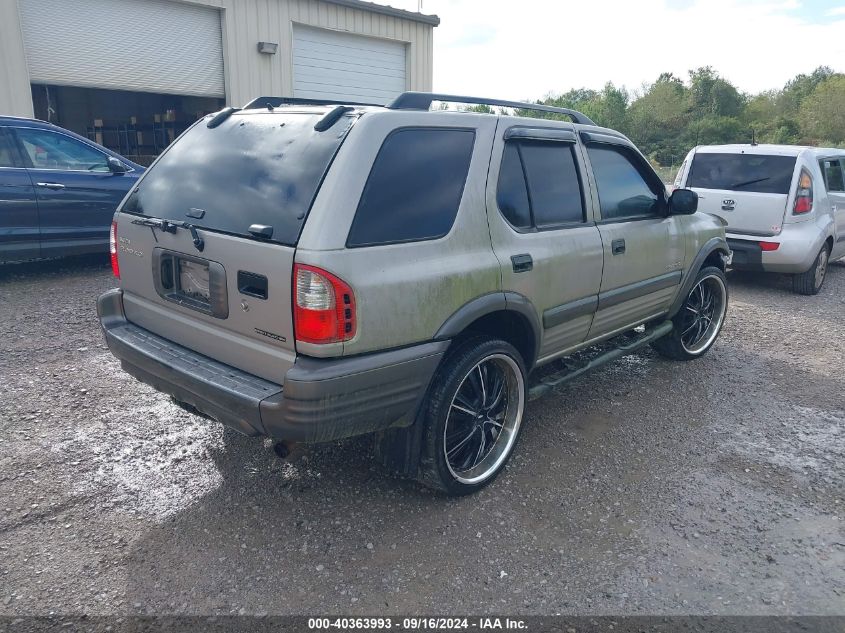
<point>7,150</point>
<point>512,192</point>
<point>50,150</point>
<point>623,190</point>
<point>539,185</point>
<point>833,177</point>
<point>415,187</point>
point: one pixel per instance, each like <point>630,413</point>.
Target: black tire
<point>678,344</point>
<point>457,372</point>
<point>811,280</point>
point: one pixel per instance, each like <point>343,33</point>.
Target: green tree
<point>481,108</point>
<point>610,108</point>
<point>716,130</point>
<point>712,95</point>
<point>801,87</point>
<point>658,118</point>
<point>670,116</point>
<point>607,107</point>
<point>823,111</point>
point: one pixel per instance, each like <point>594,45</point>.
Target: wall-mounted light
<point>268,48</point>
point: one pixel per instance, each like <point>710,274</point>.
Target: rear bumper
<point>799,244</point>
<point>747,255</point>
<point>320,400</point>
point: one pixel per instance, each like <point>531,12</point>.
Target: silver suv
<point>310,272</point>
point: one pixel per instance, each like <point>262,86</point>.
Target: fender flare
<point>710,246</point>
<point>487,304</point>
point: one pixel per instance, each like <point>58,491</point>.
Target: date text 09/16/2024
<point>416,624</point>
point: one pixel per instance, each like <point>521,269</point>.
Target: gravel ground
<point>647,487</point>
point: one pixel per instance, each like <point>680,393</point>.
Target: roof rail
<point>275,102</point>
<point>423,101</point>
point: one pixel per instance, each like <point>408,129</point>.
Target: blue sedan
<point>58,191</point>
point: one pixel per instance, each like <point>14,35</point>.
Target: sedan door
<point>76,190</point>
<point>18,210</point>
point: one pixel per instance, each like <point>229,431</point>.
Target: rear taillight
<point>804,194</point>
<point>769,246</point>
<point>115,266</point>
<point>323,306</point>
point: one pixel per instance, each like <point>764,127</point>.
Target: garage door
<point>335,65</point>
<point>145,45</point>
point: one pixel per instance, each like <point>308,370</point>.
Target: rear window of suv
<point>254,168</point>
<point>742,172</point>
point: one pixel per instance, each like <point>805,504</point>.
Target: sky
<point>526,49</point>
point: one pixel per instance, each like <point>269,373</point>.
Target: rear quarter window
<point>834,177</point>
<point>414,188</point>
<point>755,173</point>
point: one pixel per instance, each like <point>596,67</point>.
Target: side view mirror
<point>683,202</point>
<point>115,166</point>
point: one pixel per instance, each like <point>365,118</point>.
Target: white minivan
<point>784,205</point>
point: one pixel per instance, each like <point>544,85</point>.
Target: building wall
<point>15,95</point>
<point>246,22</point>
<point>248,73</point>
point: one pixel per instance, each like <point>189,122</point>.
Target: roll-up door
<point>156,46</point>
<point>335,65</point>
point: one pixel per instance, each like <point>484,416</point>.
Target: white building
<point>121,64</point>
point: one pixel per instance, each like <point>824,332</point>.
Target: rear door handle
<point>617,247</point>
<point>522,263</point>
<point>51,185</point>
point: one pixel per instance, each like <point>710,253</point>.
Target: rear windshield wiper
<point>170,226</point>
<point>737,185</point>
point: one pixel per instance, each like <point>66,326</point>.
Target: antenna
<point>753,138</point>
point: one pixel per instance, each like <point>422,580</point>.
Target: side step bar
<point>551,382</point>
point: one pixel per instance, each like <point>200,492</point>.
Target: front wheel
<point>700,319</point>
<point>473,416</point>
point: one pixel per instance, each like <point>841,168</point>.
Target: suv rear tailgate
<point>750,191</point>
<point>256,335</point>
<point>206,241</point>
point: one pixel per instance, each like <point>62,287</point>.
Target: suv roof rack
<point>275,102</point>
<point>423,101</point>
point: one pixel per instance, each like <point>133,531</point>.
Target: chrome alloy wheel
<point>821,268</point>
<point>483,419</point>
<point>704,312</point>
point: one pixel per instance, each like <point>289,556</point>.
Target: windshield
<point>254,168</point>
<point>742,172</point>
